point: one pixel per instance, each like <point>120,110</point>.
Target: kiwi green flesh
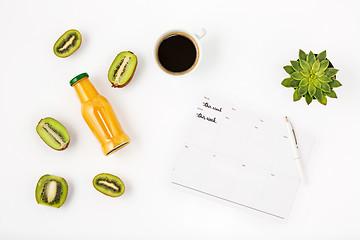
<point>109,184</point>
<point>51,191</point>
<point>68,43</point>
<point>53,133</point>
<point>122,69</point>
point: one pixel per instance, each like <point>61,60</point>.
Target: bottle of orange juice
<point>99,115</point>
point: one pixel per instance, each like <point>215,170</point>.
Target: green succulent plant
<point>312,76</point>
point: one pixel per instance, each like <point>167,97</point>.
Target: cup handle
<point>200,33</point>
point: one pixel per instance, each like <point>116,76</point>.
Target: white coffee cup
<point>172,58</point>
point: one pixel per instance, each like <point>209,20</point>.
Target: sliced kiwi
<point>122,69</point>
<point>109,184</point>
<point>68,43</point>
<point>53,133</point>
<point>51,191</point>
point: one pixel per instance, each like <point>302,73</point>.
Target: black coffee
<point>177,53</point>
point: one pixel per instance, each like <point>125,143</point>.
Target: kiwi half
<point>53,133</point>
<point>109,184</point>
<point>68,43</point>
<point>51,191</point>
<point>122,69</point>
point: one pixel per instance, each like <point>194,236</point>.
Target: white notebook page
<point>239,157</point>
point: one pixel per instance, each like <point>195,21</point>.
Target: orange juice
<point>99,115</point>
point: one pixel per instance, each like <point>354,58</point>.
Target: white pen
<point>296,152</point>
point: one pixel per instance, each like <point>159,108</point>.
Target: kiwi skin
<point>121,86</point>
<point>112,178</point>
<point>52,119</point>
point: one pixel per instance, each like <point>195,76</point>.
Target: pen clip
<point>292,129</point>
<point>296,142</point>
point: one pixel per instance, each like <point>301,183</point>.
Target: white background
<point>247,44</point>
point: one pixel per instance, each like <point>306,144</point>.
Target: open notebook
<point>239,157</point>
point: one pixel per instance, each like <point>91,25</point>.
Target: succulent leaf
<point>302,55</point>
<point>319,74</point>
<point>303,89</point>
<point>305,73</point>
<point>316,66</point>
<point>304,65</point>
<point>289,69</point>
<point>325,87</point>
<point>321,56</point>
<point>317,83</point>
<point>296,65</point>
<point>330,72</point>
<point>325,78</point>
<point>331,94</point>
<point>294,83</point>
<point>323,100</point>
<point>308,98</point>
<point>324,65</point>
<point>296,95</point>
<point>335,83</point>
<point>311,89</point>
<point>310,58</point>
<point>286,82</point>
<point>297,76</point>
<point>304,82</point>
<point>318,94</point>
